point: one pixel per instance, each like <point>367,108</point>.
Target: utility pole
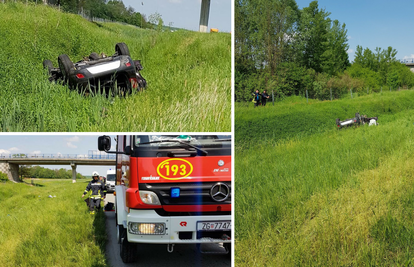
<point>204,14</point>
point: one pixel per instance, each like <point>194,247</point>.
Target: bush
<point>3,177</point>
<point>369,77</point>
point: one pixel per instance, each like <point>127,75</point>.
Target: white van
<point>110,180</point>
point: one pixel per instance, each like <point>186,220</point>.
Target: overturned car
<point>356,121</point>
<point>99,73</point>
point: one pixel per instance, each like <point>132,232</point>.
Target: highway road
<point>157,255</point>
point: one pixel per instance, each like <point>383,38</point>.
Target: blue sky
<point>54,144</point>
<point>186,13</point>
<point>374,24</point>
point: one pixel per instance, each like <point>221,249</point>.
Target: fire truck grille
<point>191,193</point>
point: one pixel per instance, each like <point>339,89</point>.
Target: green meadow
<point>40,231</point>
<point>188,75</point>
<point>308,194</point>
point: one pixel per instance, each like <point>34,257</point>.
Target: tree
<point>335,57</point>
<point>156,20</point>
<point>313,28</point>
<point>263,35</point>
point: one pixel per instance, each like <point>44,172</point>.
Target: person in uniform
<point>98,193</point>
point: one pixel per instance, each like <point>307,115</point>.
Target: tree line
<point>114,10</point>
<point>41,172</point>
<point>281,48</point>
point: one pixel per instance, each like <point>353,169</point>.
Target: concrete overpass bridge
<point>409,62</point>
<point>10,163</point>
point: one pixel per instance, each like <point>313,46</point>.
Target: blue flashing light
<point>175,192</point>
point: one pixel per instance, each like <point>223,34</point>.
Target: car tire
<point>47,64</point>
<point>128,251</point>
<point>122,49</point>
<point>65,65</point>
<point>94,56</point>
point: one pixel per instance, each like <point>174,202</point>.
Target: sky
<point>379,23</point>
<point>186,13</point>
<point>55,144</point>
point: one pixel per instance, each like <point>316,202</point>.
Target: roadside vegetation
<point>296,116</point>
<point>303,52</point>
<point>307,194</point>
<point>113,10</point>
<point>188,75</point>
<point>37,230</point>
<point>41,172</point>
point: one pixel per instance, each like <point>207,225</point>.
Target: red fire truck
<point>171,190</point>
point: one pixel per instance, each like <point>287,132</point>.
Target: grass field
<point>188,75</point>
<point>316,196</point>
<point>40,231</point>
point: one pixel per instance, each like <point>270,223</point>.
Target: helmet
<point>95,173</point>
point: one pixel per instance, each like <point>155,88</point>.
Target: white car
<point>110,180</point>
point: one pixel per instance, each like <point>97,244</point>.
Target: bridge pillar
<point>11,170</point>
<point>73,165</point>
<point>204,14</point>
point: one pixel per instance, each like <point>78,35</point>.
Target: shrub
<point>3,177</point>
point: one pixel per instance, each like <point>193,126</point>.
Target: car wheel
<point>65,65</point>
<point>47,64</point>
<point>122,49</point>
<point>127,250</point>
<point>94,56</point>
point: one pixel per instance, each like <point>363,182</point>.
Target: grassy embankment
<point>40,231</point>
<point>188,75</point>
<point>307,194</point>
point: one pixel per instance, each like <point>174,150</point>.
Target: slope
<point>328,198</point>
<point>188,75</point>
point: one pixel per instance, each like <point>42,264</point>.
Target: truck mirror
<point>104,143</point>
<point>128,150</point>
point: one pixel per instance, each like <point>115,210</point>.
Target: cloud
<point>73,139</point>
<point>36,152</point>
<point>9,151</point>
<point>349,37</point>
<point>410,56</point>
<point>70,145</point>
<point>175,1</point>
<point>350,51</point>
<point>4,151</point>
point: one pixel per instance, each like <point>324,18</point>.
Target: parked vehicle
<point>110,180</point>
<point>356,121</point>
<point>171,190</point>
<point>116,73</point>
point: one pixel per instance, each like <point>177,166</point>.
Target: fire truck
<point>171,190</point>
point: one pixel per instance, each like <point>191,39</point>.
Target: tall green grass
<point>296,117</point>
<point>328,197</point>
<point>188,75</point>
<point>40,231</point>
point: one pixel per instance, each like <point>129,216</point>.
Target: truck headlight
<point>149,197</point>
<point>146,228</point>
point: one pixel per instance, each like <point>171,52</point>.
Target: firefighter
<point>98,192</point>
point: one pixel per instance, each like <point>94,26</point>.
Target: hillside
<point>325,197</point>
<point>295,117</point>
<point>38,230</point>
<point>188,75</point>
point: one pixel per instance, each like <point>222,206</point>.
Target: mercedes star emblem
<point>220,192</point>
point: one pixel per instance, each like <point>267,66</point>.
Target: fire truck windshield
<point>199,142</point>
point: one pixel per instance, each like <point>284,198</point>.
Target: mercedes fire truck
<point>171,190</point>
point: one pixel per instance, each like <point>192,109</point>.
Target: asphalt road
<point>157,255</point>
